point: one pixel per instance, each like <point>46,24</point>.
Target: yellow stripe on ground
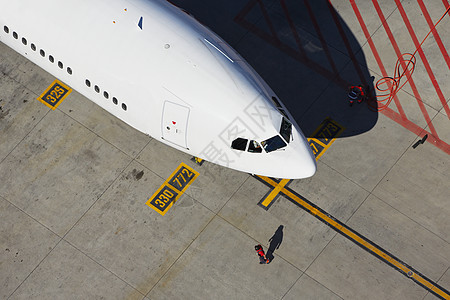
<point>274,192</point>
<point>356,238</point>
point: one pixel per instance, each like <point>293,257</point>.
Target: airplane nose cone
<point>304,165</point>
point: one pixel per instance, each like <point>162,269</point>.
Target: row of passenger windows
<point>61,66</point>
<point>105,94</point>
<point>34,48</point>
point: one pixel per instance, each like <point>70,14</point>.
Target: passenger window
<point>51,59</point>
<point>115,100</point>
<point>6,29</point>
<point>60,65</point>
<point>15,35</point>
<point>239,144</point>
<point>24,41</point>
<point>42,53</point>
<point>105,94</point>
<point>254,147</point>
<point>124,106</point>
<point>69,70</point>
<point>97,89</point>
<point>33,47</point>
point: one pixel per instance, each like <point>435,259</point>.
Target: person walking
<point>262,256</point>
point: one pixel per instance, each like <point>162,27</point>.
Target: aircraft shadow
<point>305,52</point>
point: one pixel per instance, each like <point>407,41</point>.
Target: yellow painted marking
<point>274,192</point>
<point>55,94</point>
<point>169,192</point>
<point>357,239</point>
<point>329,130</point>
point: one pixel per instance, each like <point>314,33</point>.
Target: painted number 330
<point>163,198</point>
<point>55,94</point>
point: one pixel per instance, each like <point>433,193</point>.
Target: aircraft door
<point>174,123</point>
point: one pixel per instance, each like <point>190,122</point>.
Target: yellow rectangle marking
<point>325,135</point>
<point>169,192</point>
<point>55,94</point>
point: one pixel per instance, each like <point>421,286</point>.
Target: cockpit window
<point>254,147</point>
<point>286,130</point>
<point>239,144</point>
<point>274,143</point>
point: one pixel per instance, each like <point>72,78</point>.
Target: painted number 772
<point>182,178</point>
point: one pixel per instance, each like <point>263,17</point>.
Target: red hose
<point>388,87</point>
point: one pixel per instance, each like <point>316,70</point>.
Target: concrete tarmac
<point>74,181</point>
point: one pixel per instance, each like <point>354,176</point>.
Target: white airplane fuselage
<point>162,72</point>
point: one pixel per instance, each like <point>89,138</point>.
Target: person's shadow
<point>275,242</point>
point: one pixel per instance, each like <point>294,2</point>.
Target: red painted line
<point>417,130</point>
<point>248,7</point>
<point>269,22</point>
<point>422,56</point>
<point>400,119</point>
<point>397,117</point>
<point>446,5</point>
<point>435,33</point>
<point>321,37</point>
<point>290,51</point>
<point>375,54</point>
<point>240,18</point>
<point>399,54</point>
<point>293,29</point>
<point>346,43</point>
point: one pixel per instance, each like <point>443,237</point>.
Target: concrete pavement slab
<point>23,245</point>
<point>402,237</point>
<point>63,169</point>
<point>304,236</point>
<point>185,254</point>
<point>222,264</point>
<point>352,273</point>
<point>109,127</point>
<point>307,288</point>
<point>131,239</point>
<point>31,76</point>
<point>442,123</point>
<point>163,160</point>
<point>70,274</point>
<point>9,59</point>
<point>219,15</point>
<point>309,13</point>
<point>19,114</point>
<point>365,159</point>
<point>418,186</point>
<point>296,80</point>
<point>331,191</point>
<point>443,281</point>
<point>401,38</point>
